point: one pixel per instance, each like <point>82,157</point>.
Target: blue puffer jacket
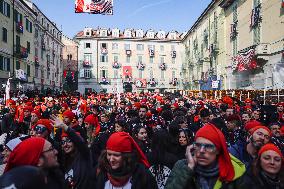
<point>238,150</point>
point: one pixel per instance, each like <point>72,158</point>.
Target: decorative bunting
<point>104,7</point>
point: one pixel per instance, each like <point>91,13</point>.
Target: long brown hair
<point>256,168</point>
<point>129,162</point>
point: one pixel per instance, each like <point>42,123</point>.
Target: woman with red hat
<point>267,171</point>
<point>77,159</point>
<point>123,165</point>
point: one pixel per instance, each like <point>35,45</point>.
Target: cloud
<point>148,6</point>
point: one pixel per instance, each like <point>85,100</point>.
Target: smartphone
<point>192,152</point>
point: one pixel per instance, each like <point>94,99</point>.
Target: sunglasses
<point>40,129</point>
<point>67,140</point>
<point>207,147</point>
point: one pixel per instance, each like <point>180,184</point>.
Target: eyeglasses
<point>49,150</point>
<point>263,135</point>
<point>207,147</point>
<point>67,140</point>
<point>40,129</point>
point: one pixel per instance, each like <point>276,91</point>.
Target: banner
<point>20,74</point>
<point>104,7</point>
<point>127,71</point>
<point>141,83</point>
<point>244,61</point>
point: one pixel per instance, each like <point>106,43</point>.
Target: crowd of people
<point>140,140</point>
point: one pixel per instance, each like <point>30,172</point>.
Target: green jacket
<point>182,177</point>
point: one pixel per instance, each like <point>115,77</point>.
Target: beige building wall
<point>271,38</point>
<point>205,50</point>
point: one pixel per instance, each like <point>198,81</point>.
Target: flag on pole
<point>104,7</point>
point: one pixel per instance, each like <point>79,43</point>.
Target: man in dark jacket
<point>246,152</point>
<point>208,164</point>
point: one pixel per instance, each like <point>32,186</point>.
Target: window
<point>5,8</point>
<point>36,71</point>
<point>103,73</point>
<point>127,59</point>
<point>151,74</point>
<point>151,59</point>
<point>47,26</point>
<point>36,32</point>
<point>127,46</point>
<point>18,66</point>
<point>104,58</point>
<point>115,58</point>
<point>173,60</point>
<point>140,47</point>
<point>18,44</point>
<point>29,26</point>
<point>163,74</point>
<point>87,73</point>
<point>173,74</point>
<point>104,45</point>
<point>114,46</point>
<point>28,47</point>
<point>28,70</point>
<point>4,63</point>
<point>140,58</point>
<point>87,57</point>
<point>18,17</point>
<point>162,48</point>
<point>140,73</point>
<point>87,45</point>
<point>162,59</point>
<point>115,74</point>
<point>152,47</point>
<point>4,35</point>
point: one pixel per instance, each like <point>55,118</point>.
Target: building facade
<point>17,45</point>
<point>254,40</point>
<point>236,44</point>
<point>204,50</point>
<point>117,61</point>
<point>30,47</point>
<point>48,52</point>
<point>70,64</point>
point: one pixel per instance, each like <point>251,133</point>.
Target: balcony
<point>19,27</point>
<point>21,52</point>
<point>104,81</point>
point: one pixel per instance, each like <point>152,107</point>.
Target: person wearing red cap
<point>208,163</point>
<point>38,152</point>
<point>92,126</point>
<point>247,151</point>
<point>123,165</point>
<point>245,118</point>
<point>77,158</point>
<point>35,116</point>
<point>233,133</point>
<point>9,122</point>
<point>42,128</point>
<point>267,171</point>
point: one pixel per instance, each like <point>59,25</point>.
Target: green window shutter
<point>1,6</point>
<point>27,24</point>
<point>1,62</point>
<point>18,65</point>
<point>31,27</point>
<point>8,10</point>
<point>8,64</point>
<point>15,15</point>
<point>21,18</point>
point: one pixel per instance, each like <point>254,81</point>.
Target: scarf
<point>273,182</point>
<point>207,176</point>
<point>118,178</point>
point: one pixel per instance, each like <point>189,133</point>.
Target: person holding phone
<point>208,164</point>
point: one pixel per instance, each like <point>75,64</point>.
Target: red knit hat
<point>270,146</point>
<point>26,153</point>
<point>280,104</point>
<point>251,124</point>
<point>137,105</point>
<point>248,100</point>
<point>123,142</point>
<point>90,119</point>
<point>69,114</point>
<point>212,133</point>
<point>46,123</point>
<point>37,113</point>
<point>260,127</point>
<point>28,108</point>
<point>65,105</point>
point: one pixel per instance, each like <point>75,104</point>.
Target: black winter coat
<point>141,179</point>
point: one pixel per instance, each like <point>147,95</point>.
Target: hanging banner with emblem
<point>104,7</point>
